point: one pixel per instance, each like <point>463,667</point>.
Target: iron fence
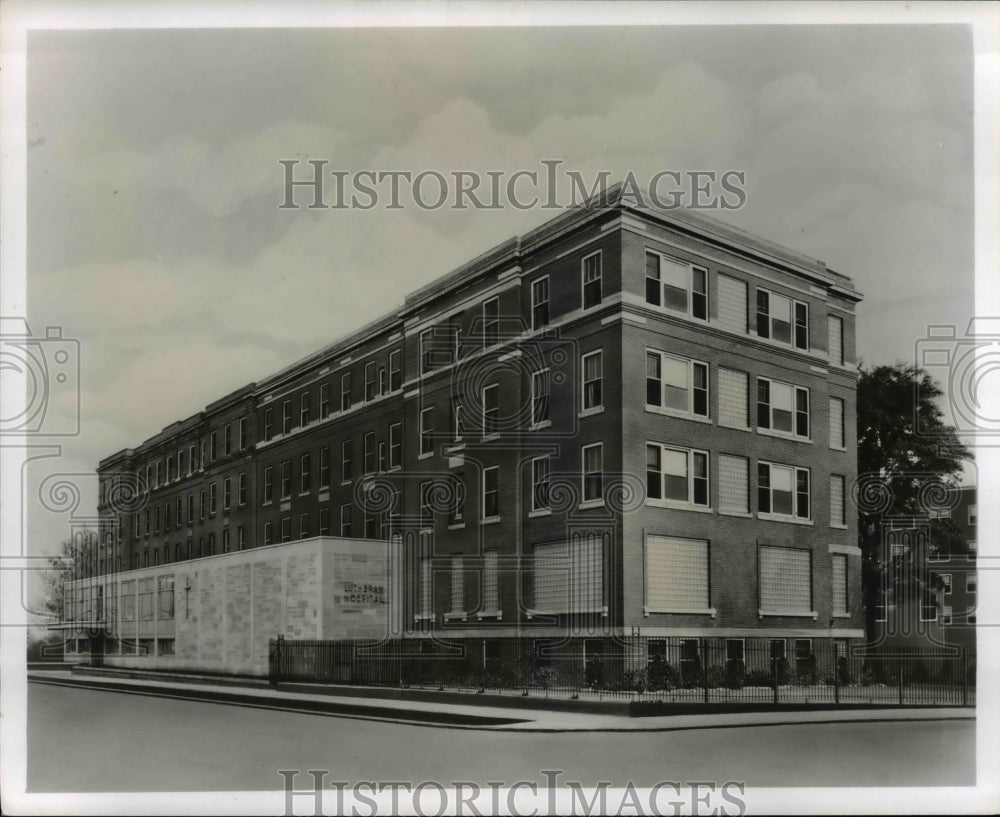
<point>675,670</point>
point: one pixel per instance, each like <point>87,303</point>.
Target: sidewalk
<point>471,716</point>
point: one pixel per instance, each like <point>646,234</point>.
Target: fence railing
<point>677,670</point>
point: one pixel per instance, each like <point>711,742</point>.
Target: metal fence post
<point>965,679</point>
<point>899,678</point>
<point>704,666</point>
<point>836,674</point>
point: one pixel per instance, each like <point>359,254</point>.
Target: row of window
<point>207,546</point>
<point>178,513</point>
<point>174,467</point>
<point>569,578</point>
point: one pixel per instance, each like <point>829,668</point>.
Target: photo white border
<point>17,18</point>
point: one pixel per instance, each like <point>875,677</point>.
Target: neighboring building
<point>937,612</point>
<point>626,421</point>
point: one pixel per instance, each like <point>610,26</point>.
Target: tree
<point>73,560</point>
<point>903,472</point>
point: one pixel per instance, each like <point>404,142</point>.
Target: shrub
<point>736,674</point>
<point>717,677</point>
<point>661,675</point>
<point>844,672</point>
<point>807,671</point>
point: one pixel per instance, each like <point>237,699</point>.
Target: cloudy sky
<point>155,237</point>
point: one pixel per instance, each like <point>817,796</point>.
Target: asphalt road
<point>83,740</point>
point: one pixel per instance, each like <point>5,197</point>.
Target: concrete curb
<point>421,714</point>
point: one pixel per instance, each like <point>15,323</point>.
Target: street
<point>83,740</point>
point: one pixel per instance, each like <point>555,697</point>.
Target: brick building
<point>628,421</point>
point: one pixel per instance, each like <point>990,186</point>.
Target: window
<point>227,493</point>
<point>457,514</point>
<point>838,518</point>
<point>369,381</point>
<point>592,380</point>
<point>227,441</point>
<point>190,508</point>
<point>782,319</point>
<point>305,409</point>
<point>540,302</point>
<point>286,479</point>
<point>593,472</point>
<point>268,424</point>
<point>426,351</point>
<point>213,497</point>
<point>165,597</point>
<point>785,580</point>
<point>734,409</point>
<point>946,616</point>
<point>676,575</point>
<point>426,508</point>
<point>426,431</point>
<point>190,459</point>
<point>734,484</point>
<point>426,601</point>
<point>676,286</point>
<point>303,526</point>
<point>286,529</point>
<point>202,507</point>
<point>225,540</point>
<point>835,340</point>
<point>839,584</point>
<point>383,457</point>
<point>346,454</point>
<point>396,445</point>
<point>457,586</point>
<point>268,533</point>
<point>783,490</point>
<point>782,408</point>
<point>324,468</point>
<point>305,473</point>
<point>286,417</point>
<point>836,423</point>
<point>540,483</point>
<point>491,493</point>
<point>241,537</point>
<point>158,464</point>
<point>145,599</point>
<point>491,409</point>
<point>346,512</point>
<point>491,581</point>
<point>592,280</point>
<point>491,322</point>
<point>972,515</point>
<point>395,370</point>
<point>946,583</point>
<point>569,578</point>
<point>456,417</point>
<point>370,453</point>
<point>676,475</point>
<point>383,381</point>
<point>268,485</point>
<point>676,384</point>
<point>345,391</point>
<point>324,522</point>
<point>970,583</point>
<point>540,385</point>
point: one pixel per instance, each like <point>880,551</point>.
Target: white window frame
<point>395,368</point>
<point>286,417</point>
<point>599,278</point>
<point>546,398</point>
<point>598,406</point>
<point>585,475</point>
<point>661,302</point>
<point>371,453</point>
<point>371,384</point>
<point>305,408</point>
<point>693,366</point>
<point>489,411</point>
<point>483,493</point>
<point>426,432</point>
<point>536,302</point>
<point>842,522</point>
<point>537,481</point>
<point>793,303</point>
<point>395,446</point>
<point>345,391</point>
<point>690,455</point>
<point>771,513</point>
<point>796,390</point>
